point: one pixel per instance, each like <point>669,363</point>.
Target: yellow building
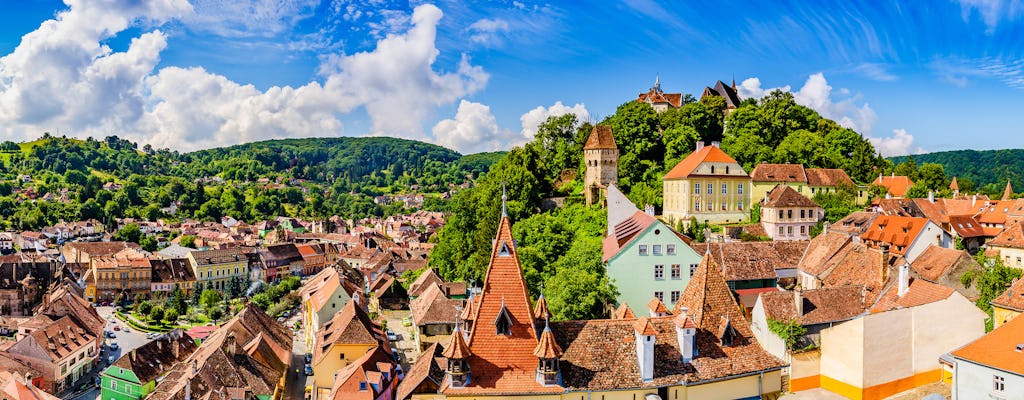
<point>509,349</point>
<point>216,267</point>
<point>1008,305</point>
<point>349,335</point>
<point>707,185</point>
<point>112,276</point>
<point>806,181</point>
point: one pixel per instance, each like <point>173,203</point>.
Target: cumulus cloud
<point>62,77</point>
<point>817,95</point>
<point>474,129</point>
<point>899,144</point>
<point>533,118</point>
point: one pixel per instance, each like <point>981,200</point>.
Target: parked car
<point>111,359</point>
<point>396,354</point>
<point>113,345</point>
<point>308,369</point>
<point>392,336</point>
<point>309,358</point>
<point>110,334</point>
<point>117,327</point>
<point>406,321</point>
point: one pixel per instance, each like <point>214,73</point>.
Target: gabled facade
<point>728,93</point>
<point>906,236</point>
<point>1008,305</point>
<point>346,338</point>
<point>323,295</point>
<point>787,215</point>
<point>658,99</point>
<point>645,258</point>
<point>134,375</point>
<point>709,186</point>
<point>896,186</point>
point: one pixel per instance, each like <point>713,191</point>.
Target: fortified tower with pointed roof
<point>602,158</point>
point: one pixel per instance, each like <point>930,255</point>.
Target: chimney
<point>649,209</point>
<point>700,145</point>
<point>904,279</point>
<point>884,247</point>
<point>715,144</point>
<point>644,333</point>
<point>974,199</point>
<point>798,302</point>
<point>893,174</point>
<point>685,335</point>
<point>931,196</point>
<point>824,227</point>
<point>229,344</point>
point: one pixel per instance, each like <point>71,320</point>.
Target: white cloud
<point>817,95</point>
<point>991,11</point>
<point>875,71</point>
<point>487,31</point>
<point>62,78</point>
<point>248,18</point>
<point>899,144</point>
<point>533,118</point>
<point>474,129</point>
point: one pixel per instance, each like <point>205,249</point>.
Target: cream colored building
<point>709,186</point>
<point>602,158</point>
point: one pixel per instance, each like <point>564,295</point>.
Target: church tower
<point>602,158</point>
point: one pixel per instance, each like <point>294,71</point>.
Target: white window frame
<point>659,272</point>
<point>642,249</point>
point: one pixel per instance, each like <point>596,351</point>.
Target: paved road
<point>127,340</point>
<point>295,382</point>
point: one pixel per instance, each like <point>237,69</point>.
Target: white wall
<point>928,237</point>
<point>972,381</point>
<point>942,327</point>
<point>842,352</point>
<point>768,340</point>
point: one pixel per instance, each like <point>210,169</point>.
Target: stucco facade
<point>707,185</point>
<point>635,268</point>
<point>975,381</point>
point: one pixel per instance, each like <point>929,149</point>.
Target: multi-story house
<point>323,295</point>
<point>168,273</point>
<point>313,258</point>
<point>133,376</point>
<point>63,349</point>
<point>806,181</point>
<point>284,259</point>
<point>116,275</point>
<point>707,186</point>
<point>1008,305</point>
<point>1010,245</point>
<point>906,236</point>
<point>658,99</point>
<point>896,186</point>
<point>644,257</point>
<point>214,268</point>
<point>991,367</point>
<point>726,92</point>
<point>348,336</point>
<point>786,215</point>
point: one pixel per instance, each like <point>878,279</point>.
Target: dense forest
<point>561,249</point>
<point>985,171</point>
<point>59,178</point>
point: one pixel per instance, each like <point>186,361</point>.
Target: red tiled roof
<point>998,349</point>
<point>695,159</point>
<point>754,260</point>
<point>965,226</point>
<point>423,282</point>
<point>457,347</point>
<point>897,185</point>
<point>624,232</point>
<point>828,177</point>
<point>920,292</point>
<point>600,138</point>
<point>657,306</point>
<point>654,96</point>
<point>784,196</point>
<point>1012,236</point>
<point>778,173</point>
<point>429,367</point>
<point>540,310</point>
<point>1012,298</point>
<point>935,261</point>
<point>858,265</point>
<point>643,326</point>
<point>547,347</point>
<point>898,231</point>
<point>623,312</point>
<point>856,223</point>
<point>830,304</point>
<point>953,185</point>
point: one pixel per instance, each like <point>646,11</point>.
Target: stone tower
<point>602,158</point>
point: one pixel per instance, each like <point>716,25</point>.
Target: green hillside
<point>987,169</point>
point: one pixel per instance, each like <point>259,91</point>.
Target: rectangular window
<point>113,385</point>
<point>660,296</point>
<point>696,188</point>
<point>659,272</point>
<point>693,267</point>
<point>739,188</point>
<point>802,216</point>
<point>711,189</point>
<point>725,188</point>
<point>670,249</point>
<point>696,206</point>
<point>723,206</point>
<point>739,206</point>
<point>789,230</point>
<point>643,249</point>
<point>674,296</point>
<point>998,383</point>
<point>781,214</point>
<point>781,230</point>
<point>656,249</point>
<point>676,272</point>
<point>789,214</point>
<point>803,230</point>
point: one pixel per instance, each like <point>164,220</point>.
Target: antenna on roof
<point>504,199</point>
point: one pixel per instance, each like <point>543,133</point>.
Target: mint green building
<point>133,376</point>
<point>645,260</point>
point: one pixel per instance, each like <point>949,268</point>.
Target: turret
<point>547,352</point>
<point>458,354</point>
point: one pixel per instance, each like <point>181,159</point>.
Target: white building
<point>991,367</point>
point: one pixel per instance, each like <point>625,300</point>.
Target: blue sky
<point>478,76</point>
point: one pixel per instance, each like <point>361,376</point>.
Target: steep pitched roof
<point>785,196</point>
<point>953,185</point>
<point>830,304</point>
<point>709,299</point>
<point>1013,297</point>
<point>998,349</point>
<point>424,281</point>
<point>896,185</point>
<point>428,371</point>
<point>732,100</point>
<point>13,386</point>
<point>433,307</point>
<point>753,260</point>
<point>600,138</point>
<point>778,173</point>
<point>1008,192</point>
<point>919,292</point>
<point>349,326</point>
<point>695,159</point>
<point>898,231</point>
<point>623,312</point>
<point>547,347</point>
<point>503,363</point>
<point>935,261</point>
<point>1012,236</point>
<point>624,232</point>
<point>656,306</point>
<point>154,358</point>
<point>828,177</point>
<point>859,265</point>
<point>856,223</point>
<point>965,226</point>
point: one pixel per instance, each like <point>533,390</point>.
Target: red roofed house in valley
<point>602,158</point>
<point>509,351</point>
<point>906,236</point>
<point>895,185</point>
<point>660,100</point>
<point>708,185</point>
<point>991,367</point>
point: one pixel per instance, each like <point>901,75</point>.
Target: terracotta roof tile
<point>754,260</point>
<point>1013,297</point>
<point>830,304</point>
<point>856,223</point>
<point>965,226</point>
<point>919,292</point>
<point>657,306</point>
<point>426,374</point>
<point>897,231</point>
<point>785,196</point>
<point>934,262</point>
<point>600,138</point>
<point>778,173</point>
<point>423,282</point>
<point>547,347</point>
<point>695,159</point>
<point>822,251</point>
<point>896,185</point>
<point>998,349</point>
<point>828,177</point>
<point>1012,237</point>
<point>624,232</point>
<point>643,326</point>
<point>623,312</point>
<point>351,325</point>
<point>540,309</point>
<point>457,347</point>
<point>433,307</point>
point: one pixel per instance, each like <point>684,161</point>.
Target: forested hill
<point>988,170</point>
<point>377,161</point>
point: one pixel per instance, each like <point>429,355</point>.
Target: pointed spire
<point>547,347</point>
<point>504,200</point>
<point>457,348</point>
<point>540,310</point>
<point>657,82</point>
<point>1008,193</point>
<point>954,186</point>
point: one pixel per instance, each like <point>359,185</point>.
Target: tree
<point>210,299</point>
<point>916,191</point>
<point>129,233</point>
<point>187,241</point>
<point>176,301</point>
<point>641,149</point>
<point>156,314</point>
<point>790,331</point>
<point>932,177</point>
<point>578,294</point>
<point>148,243</point>
<point>171,316</point>
<point>991,280</point>
<point>144,307</point>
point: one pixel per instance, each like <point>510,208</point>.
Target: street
<point>127,340</point>
<point>295,380</point>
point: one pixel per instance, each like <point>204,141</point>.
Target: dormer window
<point>503,323</point>
<point>504,251</point>
<point>728,334</point>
